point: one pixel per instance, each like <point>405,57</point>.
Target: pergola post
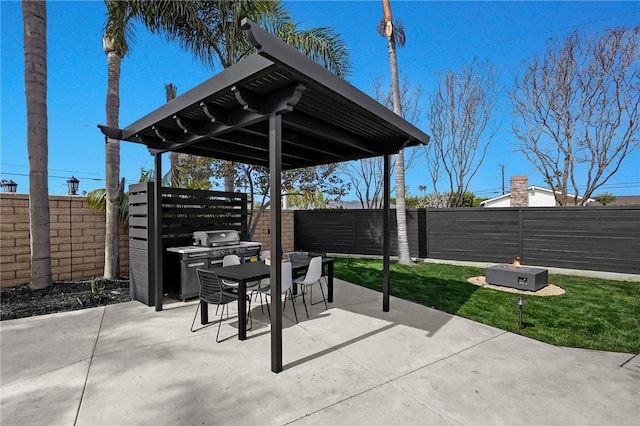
<point>386,233</point>
<point>275,185</point>
<point>157,231</point>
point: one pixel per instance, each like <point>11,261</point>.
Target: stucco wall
<point>77,240</point>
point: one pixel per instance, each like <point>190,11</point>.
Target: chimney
<point>519,192</point>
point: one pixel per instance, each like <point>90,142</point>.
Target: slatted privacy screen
<point>183,212</point>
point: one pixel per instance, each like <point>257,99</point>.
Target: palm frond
<point>97,200</point>
<point>320,44</point>
<point>398,32</point>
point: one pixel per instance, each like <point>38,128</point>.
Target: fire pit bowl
<point>517,276</point>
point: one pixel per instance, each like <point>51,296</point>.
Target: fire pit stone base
<point>518,277</point>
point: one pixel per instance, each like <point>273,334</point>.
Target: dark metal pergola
<point>278,109</point>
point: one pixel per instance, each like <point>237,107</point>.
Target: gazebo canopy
<point>324,118</point>
<point>278,109</point>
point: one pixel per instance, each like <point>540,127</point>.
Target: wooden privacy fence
<point>588,238</point>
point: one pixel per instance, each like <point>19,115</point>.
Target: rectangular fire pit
<point>518,277</point>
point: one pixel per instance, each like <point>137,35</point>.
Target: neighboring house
<point>525,196</point>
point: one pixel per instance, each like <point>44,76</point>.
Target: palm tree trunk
<point>174,157</point>
<point>114,188</point>
<point>404,256</point>
<point>229,176</point>
<point>34,15</point>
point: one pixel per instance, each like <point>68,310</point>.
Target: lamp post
<point>9,185</point>
<point>73,184</point>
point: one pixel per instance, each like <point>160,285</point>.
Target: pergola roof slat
<point>324,118</point>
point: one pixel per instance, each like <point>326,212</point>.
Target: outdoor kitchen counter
<point>253,271</point>
<point>189,249</point>
<point>183,261</point>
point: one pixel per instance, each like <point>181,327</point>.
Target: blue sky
<point>440,36</point>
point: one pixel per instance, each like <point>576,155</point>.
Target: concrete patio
<point>349,365</point>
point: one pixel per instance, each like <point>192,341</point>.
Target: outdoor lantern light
<point>73,184</point>
<point>9,185</point>
<point>520,302</point>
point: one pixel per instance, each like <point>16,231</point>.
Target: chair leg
<point>311,294</point>
<point>194,318</point>
<point>323,298</point>
<point>304,302</point>
<point>249,317</point>
<point>294,305</point>
<point>220,323</point>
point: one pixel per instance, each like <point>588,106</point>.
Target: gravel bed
<point>21,302</point>
<point>549,290</point>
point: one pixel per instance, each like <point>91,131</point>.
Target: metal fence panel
<point>590,238</point>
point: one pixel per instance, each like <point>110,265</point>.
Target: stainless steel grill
<point>207,251</point>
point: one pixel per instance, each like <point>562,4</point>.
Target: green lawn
<point>592,314</point>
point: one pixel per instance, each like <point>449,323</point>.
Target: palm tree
<point>34,15</point>
<point>211,30</point>
<point>229,45</point>
<point>395,34</point>
<point>172,18</point>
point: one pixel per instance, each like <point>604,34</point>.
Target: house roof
<point>324,118</point>
<point>529,189</point>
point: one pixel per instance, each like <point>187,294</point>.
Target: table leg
<point>242,310</point>
<point>330,282</point>
<point>204,312</point>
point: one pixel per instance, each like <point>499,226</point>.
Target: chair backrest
<point>315,270</point>
<point>287,276</point>
<point>210,286</point>
<point>230,259</point>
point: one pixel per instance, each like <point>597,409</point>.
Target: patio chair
<point>313,276</point>
<point>286,288</point>
<point>213,292</point>
<point>265,282</point>
<point>234,259</point>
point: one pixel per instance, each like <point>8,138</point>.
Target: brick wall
<point>77,240</point>
<point>262,234</point>
<point>78,229</point>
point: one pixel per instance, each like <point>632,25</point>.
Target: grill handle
<point>197,255</point>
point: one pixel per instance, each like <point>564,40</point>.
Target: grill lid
<point>216,238</point>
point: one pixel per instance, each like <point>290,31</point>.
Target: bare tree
<point>576,110</point>
<point>366,175</point>
<point>460,114</point>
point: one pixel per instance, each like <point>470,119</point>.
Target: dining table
<point>254,271</point>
